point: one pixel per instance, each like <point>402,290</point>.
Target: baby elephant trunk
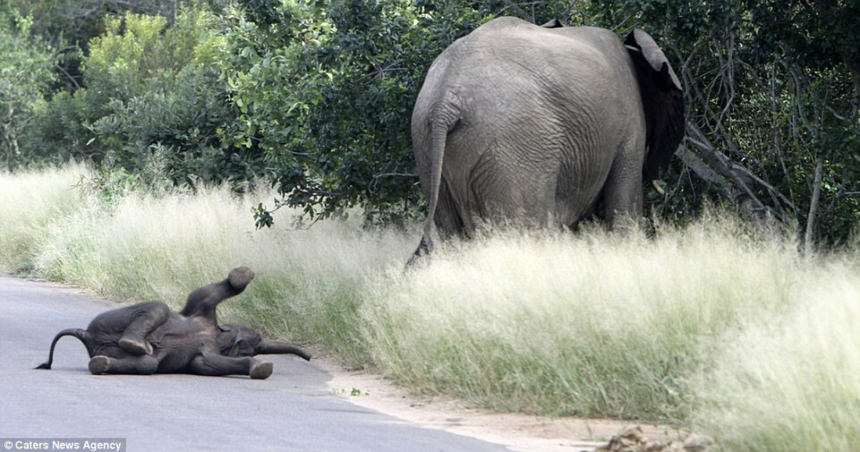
<point>267,347</point>
<point>81,334</point>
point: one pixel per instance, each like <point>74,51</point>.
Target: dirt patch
<point>517,431</point>
<point>633,439</point>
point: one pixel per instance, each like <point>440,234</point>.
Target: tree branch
<point>69,76</point>
<point>519,11</point>
<point>717,168</point>
<point>377,176</point>
<point>813,205</point>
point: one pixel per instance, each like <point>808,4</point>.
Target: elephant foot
<point>99,365</point>
<point>261,370</point>
<point>424,249</point>
<point>240,277</point>
<point>134,346</point>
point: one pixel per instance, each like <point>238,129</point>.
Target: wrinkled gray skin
<point>147,338</point>
<point>523,125</point>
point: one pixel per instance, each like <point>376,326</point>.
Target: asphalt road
<point>293,410</point>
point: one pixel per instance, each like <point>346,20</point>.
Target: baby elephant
<point>147,338</point>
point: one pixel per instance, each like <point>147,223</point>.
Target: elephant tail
<point>438,135</point>
<point>81,334</point>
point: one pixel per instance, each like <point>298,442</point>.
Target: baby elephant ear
<point>236,347</point>
<point>663,99</point>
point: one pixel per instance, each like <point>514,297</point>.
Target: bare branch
<point>813,205</point>
<point>69,76</point>
<point>719,170</point>
<point>377,176</point>
<point>519,11</point>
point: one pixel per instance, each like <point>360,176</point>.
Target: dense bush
<point>152,92</point>
<point>774,88</point>
<point>25,77</point>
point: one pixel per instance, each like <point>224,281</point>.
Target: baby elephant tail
<point>81,334</point>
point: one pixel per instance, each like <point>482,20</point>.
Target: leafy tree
<point>319,93</point>
<point>773,93</point>
<point>70,25</point>
<point>153,91</point>
<point>25,77</point>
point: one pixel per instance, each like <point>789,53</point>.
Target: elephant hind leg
<point>622,193</point>
<point>450,217</point>
<point>147,318</point>
<point>133,365</point>
<point>219,365</point>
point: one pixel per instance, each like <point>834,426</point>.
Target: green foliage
<point>318,94</point>
<point>70,25</point>
<point>152,89</point>
<point>60,128</point>
<point>776,87</point>
<point>25,77</point>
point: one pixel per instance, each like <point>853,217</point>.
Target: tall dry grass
<point>591,324</point>
<point>737,335</point>
<point>135,246</point>
<point>29,202</point>
<point>791,383</point>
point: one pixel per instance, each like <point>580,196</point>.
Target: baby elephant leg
<point>218,365</point>
<point>147,317</point>
<point>132,365</point>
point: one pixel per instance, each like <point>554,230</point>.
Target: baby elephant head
<point>237,340</point>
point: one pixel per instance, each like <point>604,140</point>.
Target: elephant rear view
<point>527,125</point>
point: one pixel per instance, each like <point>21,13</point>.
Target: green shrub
<point>25,78</point>
<point>152,91</point>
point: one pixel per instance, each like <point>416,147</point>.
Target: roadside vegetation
<point>726,330</point>
<point>789,383</point>
<point>316,97</point>
<point>71,225</point>
<point>147,147</point>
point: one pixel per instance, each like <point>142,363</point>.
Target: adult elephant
<point>148,338</point>
<point>530,125</point>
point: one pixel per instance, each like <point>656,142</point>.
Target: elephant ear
<point>555,23</point>
<point>236,347</point>
<point>663,99</point>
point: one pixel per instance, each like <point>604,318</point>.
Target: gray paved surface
<point>291,411</point>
